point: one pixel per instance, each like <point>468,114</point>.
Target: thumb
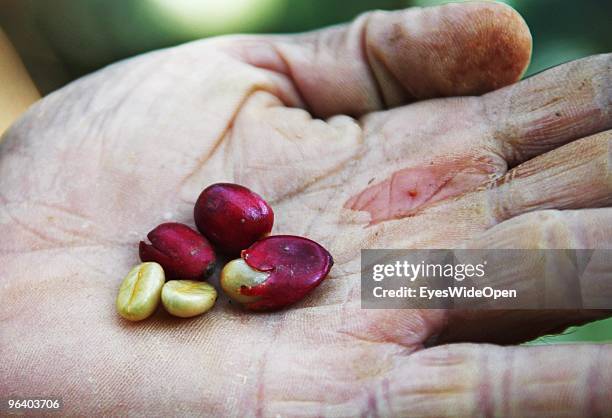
<point>385,59</point>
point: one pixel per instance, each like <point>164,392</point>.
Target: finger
<point>585,228</point>
<point>552,108</point>
<point>482,380</point>
<point>574,176</point>
<point>463,158</point>
<point>384,59</point>
<point>588,228</point>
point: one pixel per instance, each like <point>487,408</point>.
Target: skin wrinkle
<point>86,235</point>
<point>31,230</point>
<point>79,234</point>
<point>310,42</point>
<point>365,339</point>
<point>371,92</point>
<point>113,110</point>
<point>570,158</point>
<point>335,170</point>
<point>366,57</point>
<point>261,373</point>
<point>372,410</point>
<point>353,400</point>
<point>59,207</point>
<point>309,226</point>
<point>397,34</point>
<point>507,382</point>
<point>578,113</point>
<point>91,267</point>
<point>507,149</point>
<point>577,229</point>
<point>386,396</point>
<point>44,285</point>
<point>342,407</point>
<point>50,217</point>
<point>595,406</point>
<point>241,48</point>
<point>484,400</point>
<point>219,140</point>
<point>288,71</point>
<point>66,246</point>
<point>242,170</point>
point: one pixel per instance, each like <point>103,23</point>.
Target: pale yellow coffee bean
<point>236,275</point>
<point>187,298</point>
<point>140,291</point>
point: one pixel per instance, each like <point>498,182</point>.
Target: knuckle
<point>555,231</point>
<point>551,229</point>
<point>534,230</point>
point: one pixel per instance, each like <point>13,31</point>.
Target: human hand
<point>93,167</point>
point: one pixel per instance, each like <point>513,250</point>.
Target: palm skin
<point>93,167</point>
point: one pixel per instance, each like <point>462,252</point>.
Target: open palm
<point>93,167</point>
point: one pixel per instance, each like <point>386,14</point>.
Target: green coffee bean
<point>187,298</point>
<point>140,291</point>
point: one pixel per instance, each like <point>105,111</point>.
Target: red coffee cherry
<point>232,217</point>
<point>181,251</point>
<point>276,272</point>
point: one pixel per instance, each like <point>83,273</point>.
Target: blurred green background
<point>60,40</point>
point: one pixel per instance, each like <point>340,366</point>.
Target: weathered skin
<point>88,170</point>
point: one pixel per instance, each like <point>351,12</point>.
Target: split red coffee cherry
<point>232,217</point>
<point>276,272</point>
<point>182,252</point>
